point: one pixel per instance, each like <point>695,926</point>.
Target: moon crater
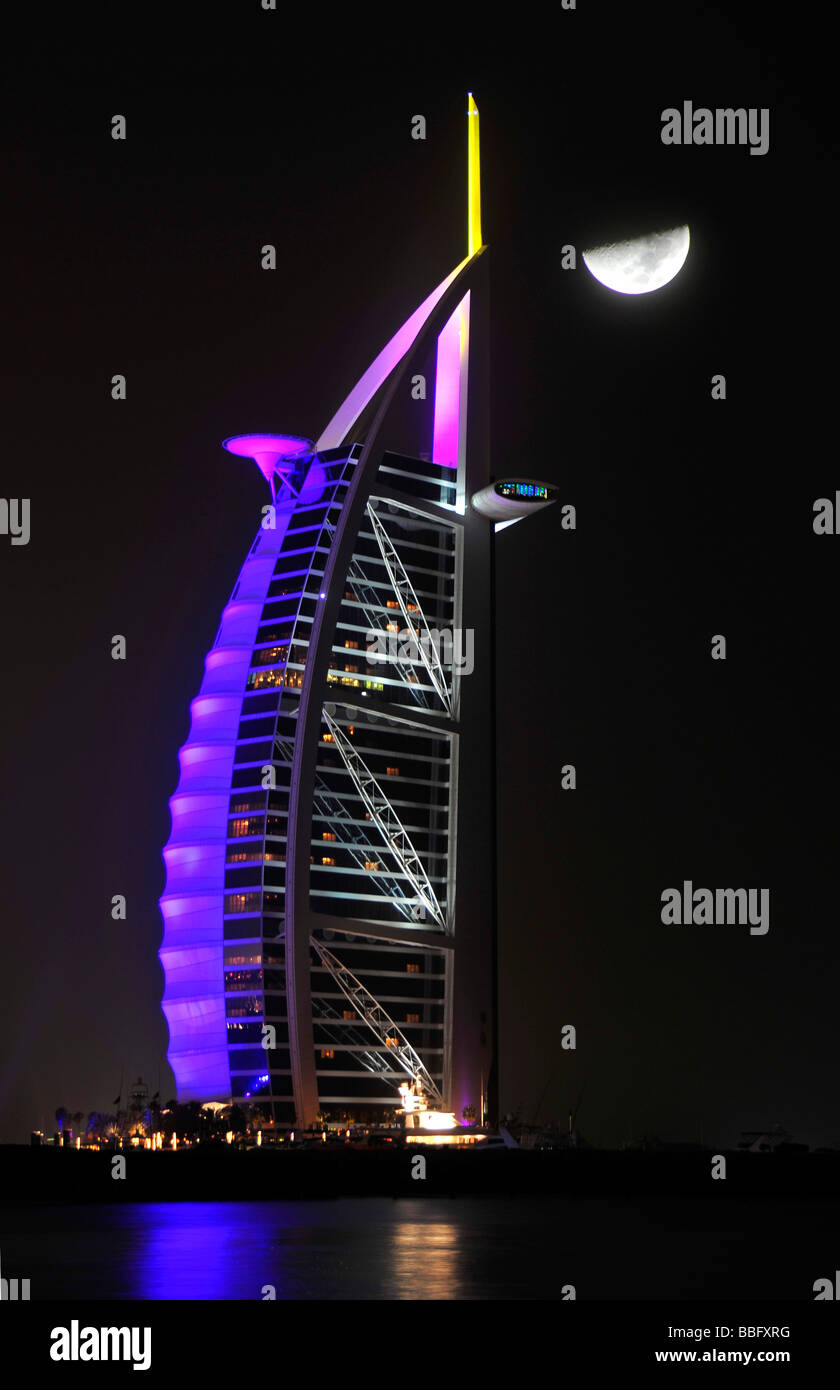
<point>636,267</point>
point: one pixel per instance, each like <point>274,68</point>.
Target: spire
<point>473,179</point>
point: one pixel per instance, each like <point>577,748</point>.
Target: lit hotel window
<point>244,827</point>
<point>412,968</point>
<point>391,1042</point>
<point>242,979</point>
<point>242,1008</point>
<point>242,955</point>
<point>258,679</point>
<point>412,1018</point>
<point>326,860</point>
<point>393,771</point>
<point>351,644</point>
<point>328,738</point>
<point>268,655</point>
<point>328,835</point>
<point>391,603</point>
<point>349,1015</point>
<point>393,627</point>
<point>327,1052</point>
<point>371,864</point>
<point>242,902</point>
<point>238,856</point>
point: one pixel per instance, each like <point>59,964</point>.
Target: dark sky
<point>694,516</point>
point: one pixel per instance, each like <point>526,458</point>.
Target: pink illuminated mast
<point>453,346</point>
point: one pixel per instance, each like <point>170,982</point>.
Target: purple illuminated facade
<point>330,873</point>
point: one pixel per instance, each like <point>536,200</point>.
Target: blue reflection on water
<point>194,1250</point>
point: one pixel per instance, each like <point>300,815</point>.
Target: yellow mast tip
<point>473,180</point>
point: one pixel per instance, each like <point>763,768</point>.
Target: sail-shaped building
<point>329,909</point>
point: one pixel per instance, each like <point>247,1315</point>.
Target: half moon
<point>639,266</point>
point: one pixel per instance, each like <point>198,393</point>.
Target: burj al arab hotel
<point>329,909</point>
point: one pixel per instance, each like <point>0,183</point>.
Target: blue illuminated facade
<point>226,855</point>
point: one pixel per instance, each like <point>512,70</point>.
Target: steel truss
<point>330,807</point>
<point>378,1021</point>
<point>404,591</point>
<point>386,820</point>
<point>371,1061</point>
<point>369,601</point>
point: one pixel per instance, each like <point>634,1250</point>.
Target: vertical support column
<point>473,999</point>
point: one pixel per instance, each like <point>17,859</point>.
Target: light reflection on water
<point>425,1260</point>
<point>366,1248</point>
<point>331,1250</point>
<point>313,1250</point>
<point>423,1248</point>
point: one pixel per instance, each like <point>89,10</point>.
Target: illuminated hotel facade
<point>330,872</point>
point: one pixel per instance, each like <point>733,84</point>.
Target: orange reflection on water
<point>425,1259</point>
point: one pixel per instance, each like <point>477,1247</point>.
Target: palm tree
<point>236,1119</point>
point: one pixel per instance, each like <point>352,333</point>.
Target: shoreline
<point>219,1172</point>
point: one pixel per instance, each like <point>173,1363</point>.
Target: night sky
<point>695,516</point>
